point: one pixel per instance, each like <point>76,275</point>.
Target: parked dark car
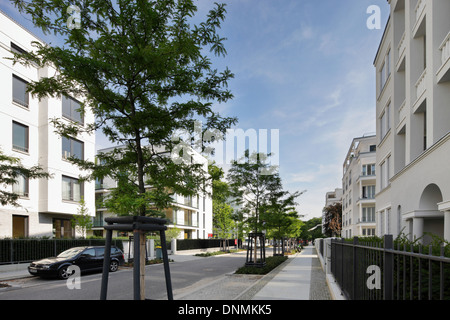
<point>86,258</point>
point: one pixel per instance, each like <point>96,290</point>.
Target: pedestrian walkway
<point>301,279</point>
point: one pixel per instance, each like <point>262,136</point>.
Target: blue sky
<point>304,67</point>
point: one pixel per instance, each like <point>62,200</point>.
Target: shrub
<point>271,263</point>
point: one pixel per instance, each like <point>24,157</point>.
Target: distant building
<point>47,205</point>
<point>331,198</point>
<point>413,120</point>
<point>358,185</point>
<point>191,215</point>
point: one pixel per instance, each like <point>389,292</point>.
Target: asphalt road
<point>186,276</point>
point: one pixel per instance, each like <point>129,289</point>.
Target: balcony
<point>421,87</point>
<point>401,117</point>
<point>443,73</point>
<point>401,48</point>
<point>420,7</point>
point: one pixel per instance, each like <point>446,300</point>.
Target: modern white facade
<point>191,215</point>
<point>413,120</point>
<point>47,205</point>
<point>358,185</point>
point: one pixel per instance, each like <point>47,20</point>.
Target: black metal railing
<point>387,271</point>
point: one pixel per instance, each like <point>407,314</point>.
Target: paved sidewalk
<point>301,279</point>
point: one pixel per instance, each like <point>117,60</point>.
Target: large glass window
<point>20,94</point>
<point>71,109</point>
<point>72,148</point>
<point>20,137</point>
<point>21,186</point>
<point>63,228</point>
<point>72,189</point>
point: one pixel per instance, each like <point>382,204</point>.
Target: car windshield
<point>70,253</point>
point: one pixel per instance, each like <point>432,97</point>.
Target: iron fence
<point>385,270</point>
<point>28,250</point>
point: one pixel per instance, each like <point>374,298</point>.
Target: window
<point>20,137</point>
<point>385,70</point>
<point>70,109</point>
<point>368,232</point>
<point>368,192</point>
<point>72,189</point>
<point>368,169</point>
<point>368,214</point>
<point>385,122</point>
<point>20,94</point>
<point>21,186</point>
<point>63,228</point>
<point>72,148</point>
<point>16,49</point>
<point>385,173</point>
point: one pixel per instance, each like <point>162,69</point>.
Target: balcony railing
<point>421,84</point>
<point>402,45</point>
<point>420,8</point>
<point>402,111</point>
<point>445,49</point>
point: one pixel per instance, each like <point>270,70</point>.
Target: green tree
<point>253,181</point>
<point>281,218</point>
<point>11,169</point>
<point>143,69</point>
<point>333,220</point>
<point>312,229</point>
<point>82,221</point>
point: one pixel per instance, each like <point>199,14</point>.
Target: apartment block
<point>358,186</point>
<point>191,215</point>
<point>47,205</point>
<point>413,121</point>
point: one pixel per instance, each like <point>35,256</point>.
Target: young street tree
<point>281,218</point>
<point>223,222</point>
<point>252,182</point>
<point>143,68</point>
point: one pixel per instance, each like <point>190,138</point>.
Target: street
<point>186,276</point>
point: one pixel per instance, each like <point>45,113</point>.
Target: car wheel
<point>113,266</point>
<point>63,274</point>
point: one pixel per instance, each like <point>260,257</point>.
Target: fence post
<point>355,267</point>
<point>388,280</point>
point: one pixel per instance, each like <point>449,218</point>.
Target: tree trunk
<point>142,259</point>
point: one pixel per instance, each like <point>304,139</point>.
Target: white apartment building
<point>358,185</point>
<point>413,120</point>
<point>47,205</point>
<point>191,215</point>
<point>331,197</point>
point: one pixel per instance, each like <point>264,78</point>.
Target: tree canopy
<point>143,68</point>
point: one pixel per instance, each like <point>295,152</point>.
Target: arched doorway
<point>428,217</point>
<point>431,196</point>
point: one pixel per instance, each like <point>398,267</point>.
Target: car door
<point>87,259</point>
<point>100,255</point>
